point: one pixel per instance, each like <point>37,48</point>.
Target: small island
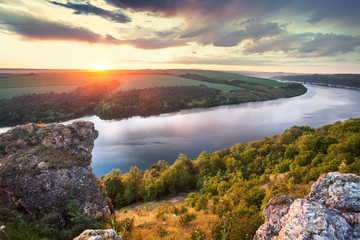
<point>121,94</point>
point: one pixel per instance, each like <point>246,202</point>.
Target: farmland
<point>228,77</point>
<point>130,82</point>
<point>120,94</point>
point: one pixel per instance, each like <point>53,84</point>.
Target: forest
<point>236,183</point>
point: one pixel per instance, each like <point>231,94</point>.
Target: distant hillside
<point>121,94</point>
<point>350,81</point>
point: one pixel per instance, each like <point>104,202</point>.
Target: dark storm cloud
<point>89,9</point>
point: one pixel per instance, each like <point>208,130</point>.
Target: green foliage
<point>236,183</point>
<point>201,203</point>
<point>186,218</point>
<point>80,220</point>
<point>180,176</point>
<point>134,190</point>
<point>179,211</point>
<point>115,188</point>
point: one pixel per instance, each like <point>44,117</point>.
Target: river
<point>142,141</point>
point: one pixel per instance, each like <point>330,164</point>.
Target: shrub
<point>186,218</point>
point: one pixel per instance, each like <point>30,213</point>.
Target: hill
<point>223,192</point>
<point>230,187</point>
<point>122,94</point>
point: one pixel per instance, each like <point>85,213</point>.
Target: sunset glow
<point>101,67</point>
<point>235,35</point>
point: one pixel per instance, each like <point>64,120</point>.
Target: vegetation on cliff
<point>226,189</point>
<point>235,184</point>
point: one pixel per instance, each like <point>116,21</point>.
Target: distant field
<point>229,77</point>
<point>46,79</point>
<point>13,92</point>
<point>130,79</point>
<point>130,82</point>
<point>43,83</point>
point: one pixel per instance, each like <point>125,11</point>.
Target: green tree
<point>115,187</point>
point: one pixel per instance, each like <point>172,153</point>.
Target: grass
<point>168,226</point>
<point>18,91</point>
<point>229,76</point>
<point>130,82</point>
<point>137,79</point>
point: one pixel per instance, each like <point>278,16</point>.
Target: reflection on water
<point>143,141</point>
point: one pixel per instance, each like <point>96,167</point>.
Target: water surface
<point>142,141</point>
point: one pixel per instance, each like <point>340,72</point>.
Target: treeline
<point>236,183</point>
<point>105,100</point>
<point>156,100</point>
<point>335,80</point>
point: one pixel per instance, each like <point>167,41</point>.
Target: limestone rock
<point>330,211</point>
<point>340,191</point>
<point>276,208</point>
<point>98,235</point>
<point>44,167</point>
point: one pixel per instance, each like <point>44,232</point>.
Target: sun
<point>101,66</point>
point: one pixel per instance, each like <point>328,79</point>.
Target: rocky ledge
<point>107,234</point>
<point>44,167</point>
<point>330,211</point>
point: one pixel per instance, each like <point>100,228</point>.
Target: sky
<point>304,36</point>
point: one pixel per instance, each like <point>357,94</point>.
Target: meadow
<point>229,77</point>
<point>131,82</point>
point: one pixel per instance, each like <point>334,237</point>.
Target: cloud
<point>89,9</point>
<point>305,44</point>
<point>33,28</point>
<point>253,30</point>
<point>39,29</point>
<point>345,12</point>
<point>329,44</point>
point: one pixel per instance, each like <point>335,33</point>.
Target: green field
<point>130,82</point>
<point>229,77</point>
<point>13,92</point>
<point>129,79</point>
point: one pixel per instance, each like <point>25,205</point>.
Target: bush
<point>186,218</point>
<point>124,227</point>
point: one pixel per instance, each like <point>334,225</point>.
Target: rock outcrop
<point>330,211</point>
<point>107,234</point>
<point>44,167</point>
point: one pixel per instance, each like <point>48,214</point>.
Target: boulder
<point>98,235</point>
<point>44,167</point>
<point>330,211</point>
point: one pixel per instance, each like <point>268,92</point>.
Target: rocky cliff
<point>330,211</point>
<point>44,167</point>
